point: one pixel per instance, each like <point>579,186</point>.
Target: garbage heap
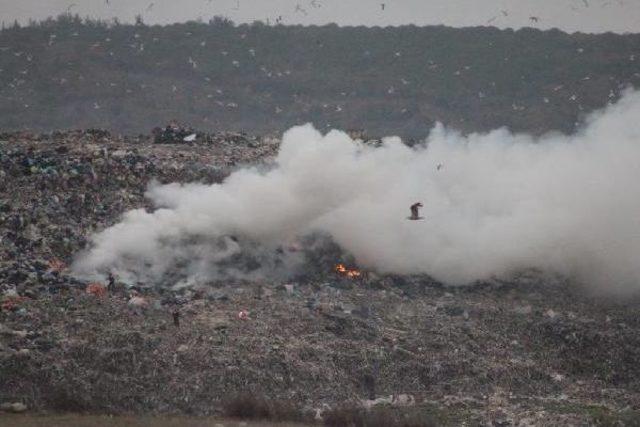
<point>174,134</point>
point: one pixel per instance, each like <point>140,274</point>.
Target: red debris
<point>96,289</point>
<point>12,303</point>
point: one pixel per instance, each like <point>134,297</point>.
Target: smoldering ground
<point>501,202</point>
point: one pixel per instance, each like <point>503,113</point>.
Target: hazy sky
<point>568,15</point>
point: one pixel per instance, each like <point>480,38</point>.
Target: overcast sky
<point>568,15</point>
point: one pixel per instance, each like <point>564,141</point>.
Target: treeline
<point>70,72</point>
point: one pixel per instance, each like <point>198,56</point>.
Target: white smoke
<point>500,203</point>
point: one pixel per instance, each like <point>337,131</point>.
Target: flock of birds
<point>583,4</point>
<point>316,4</point>
<point>220,99</point>
<point>217,95</point>
<point>339,108</point>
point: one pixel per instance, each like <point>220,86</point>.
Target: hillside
<point>71,73</point>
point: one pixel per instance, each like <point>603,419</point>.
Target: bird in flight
<point>300,9</point>
<point>415,214</point>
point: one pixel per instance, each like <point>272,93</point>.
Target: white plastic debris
<point>551,314</point>
<point>138,302</point>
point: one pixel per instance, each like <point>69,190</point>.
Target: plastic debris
<point>96,289</point>
<point>138,301</point>
<point>57,266</point>
<point>12,303</point>
<point>15,408</point>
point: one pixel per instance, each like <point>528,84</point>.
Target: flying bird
<point>150,7</point>
<point>382,5</point>
<point>505,12</point>
<point>534,19</point>
<point>415,214</point>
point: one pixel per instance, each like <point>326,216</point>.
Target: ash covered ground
<point>536,349</point>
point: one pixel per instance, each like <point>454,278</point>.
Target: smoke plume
<point>499,203</point>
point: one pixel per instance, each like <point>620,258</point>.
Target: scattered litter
<point>15,408</point>
<point>12,303</point>
<point>138,301</point>
<point>404,400</point>
<point>525,309</point>
<point>96,289</point>
<point>551,314</point>
<point>190,138</point>
<point>55,265</point>
<point>400,400</point>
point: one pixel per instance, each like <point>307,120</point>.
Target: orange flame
<point>344,271</point>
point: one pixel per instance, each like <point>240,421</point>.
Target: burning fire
<point>347,272</point>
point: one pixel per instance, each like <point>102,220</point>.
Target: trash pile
<point>59,188</point>
<point>174,134</point>
<point>529,349</point>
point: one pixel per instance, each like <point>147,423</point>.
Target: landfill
<point>533,350</point>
